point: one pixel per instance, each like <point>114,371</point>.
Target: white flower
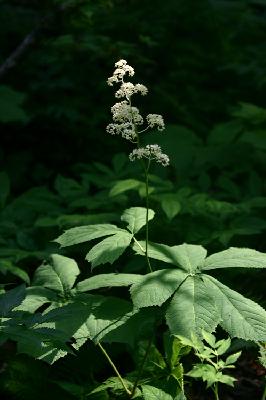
<point>122,68</point>
<point>155,120</point>
<point>126,130</point>
<point>141,88</point>
<point>126,90</point>
<point>123,112</point>
<point>151,152</point>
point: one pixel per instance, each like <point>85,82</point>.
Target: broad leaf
<point>155,288</point>
<point>241,317</point>
<point>186,256</point>
<point>60,275</point>
<point>170,205</point>
<point>236,258</point>
<point>106,314</point>
<point>192,309</point>
<point>36,296</point>
<point>124,185</point>
<point>136,218</point>
<point>86,233</point>
<point>107,280</point>
<point>153,393</point>
<point>109,249</point>
<point>11,299</point>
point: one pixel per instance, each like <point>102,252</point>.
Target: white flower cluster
<point>127,89</point>
<point>151,152</point>
<point>122,68</point>
<point>127,118</point>
<point>155,120</point>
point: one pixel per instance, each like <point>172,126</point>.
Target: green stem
<point>115,369</point>
<point>146,169</point>
<point>141,367</point>
<point>216,391</point>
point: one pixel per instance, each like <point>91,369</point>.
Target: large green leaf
<point>7,266</point>
<point>186,256</point>
<point>153,393</point>
<point>107,280</point>
<point>155,288</point>
<point>36,296</point>
<point>106,314</point>
<point>192,309</point>
<point>136,218</point>
<point>236,258</point>
<point>109,249</point>
<point>82,234</point>
<point>241,317</point>
<point>11,299</point>
<point>59,275</point>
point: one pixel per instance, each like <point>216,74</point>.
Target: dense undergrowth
<point>60,170</point>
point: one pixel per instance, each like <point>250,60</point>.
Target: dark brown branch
<point>12,59</point>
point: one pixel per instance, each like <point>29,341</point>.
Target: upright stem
<point>216,391</point>
<point>147,215</point>
<point>264,393</point>
<point>115,369</point>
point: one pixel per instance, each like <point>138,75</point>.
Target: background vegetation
<point>204,63</point>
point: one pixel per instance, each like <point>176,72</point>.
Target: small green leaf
<point>107,280</point>
<point>208,337</point>
<point>109,249</point>
<point>186,256</point>
<point>224,346</point>
<point>236,258</point>
<point>156,287</point>
<point>136,218</point>
<point>86,233</point>
<point>232,358</point>
<point>59,276</point>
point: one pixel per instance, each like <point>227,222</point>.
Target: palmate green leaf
<point>59,275</point>
<point>191,310</point>
<point>241,317</point>
<point>107,280</point>
<point>109,249</point>
<point>86,233</point>
<point>153,393</point>
<point>186,256</point>
<point>136,218</point>
<point>235,258</point>
<point>155,288</point>
<point>11,299</point>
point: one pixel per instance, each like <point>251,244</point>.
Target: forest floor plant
<point>175,289</point>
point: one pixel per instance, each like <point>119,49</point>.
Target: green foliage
<point>211,368</point>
